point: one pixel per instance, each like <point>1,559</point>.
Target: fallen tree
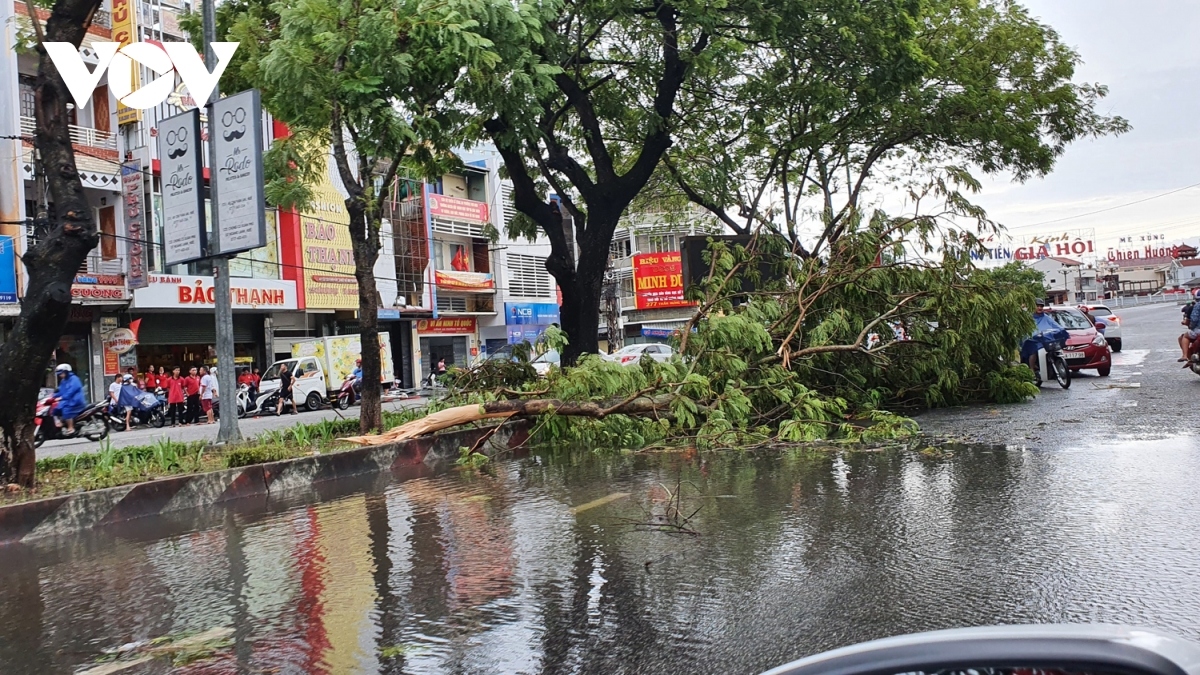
<point>836,347</point>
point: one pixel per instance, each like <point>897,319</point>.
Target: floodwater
<point>575,564</point>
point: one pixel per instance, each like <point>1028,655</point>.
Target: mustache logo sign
<point>177,143</point>
<point>229,120</point>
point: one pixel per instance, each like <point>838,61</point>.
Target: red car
<point>1086,348</point>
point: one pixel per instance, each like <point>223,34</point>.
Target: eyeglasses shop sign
<point>238,199</point>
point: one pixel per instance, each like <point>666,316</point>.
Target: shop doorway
<point>453,349</point>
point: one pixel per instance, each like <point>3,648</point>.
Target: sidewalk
<point>249,427</point>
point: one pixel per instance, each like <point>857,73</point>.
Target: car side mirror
<point>1011,650</point>
<point>1100,326</point>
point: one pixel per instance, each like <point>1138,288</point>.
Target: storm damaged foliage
<point>840,347</point>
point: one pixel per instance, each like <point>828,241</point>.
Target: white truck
<point>319,366</point>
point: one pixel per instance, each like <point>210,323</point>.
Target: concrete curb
<point>70,514</point>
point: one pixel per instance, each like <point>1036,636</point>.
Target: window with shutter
<point>528,278</point>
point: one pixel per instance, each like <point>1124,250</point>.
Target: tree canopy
<point>849,96</point>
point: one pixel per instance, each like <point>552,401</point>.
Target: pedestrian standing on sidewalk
<point>206,394</point>
<point>191,389</point>
<point>175,398</point>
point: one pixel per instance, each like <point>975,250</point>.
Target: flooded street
<point>552,565</point>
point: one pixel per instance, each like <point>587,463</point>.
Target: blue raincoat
<point>70,395</point>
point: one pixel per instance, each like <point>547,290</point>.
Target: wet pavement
<point>572,563</point>
<point>1147,396</point>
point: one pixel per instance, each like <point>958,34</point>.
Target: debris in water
<point>599,502</point>
<point>180,651</point>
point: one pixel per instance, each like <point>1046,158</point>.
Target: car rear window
<point>1100,310</point>
<point>1071,319</point>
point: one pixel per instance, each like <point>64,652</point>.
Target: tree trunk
<point>657,405</point>
<point>364,233</point>
<point>51,263</point>
<point>580,313</point>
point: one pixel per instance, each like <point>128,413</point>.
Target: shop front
<point>176,325</point>
<point>526,321</point>
<point>449,338</point>
<point>75,348</point>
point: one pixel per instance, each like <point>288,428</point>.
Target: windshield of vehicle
<point>276,368</point>
<point>1071,319</point>
<point>549,357</point>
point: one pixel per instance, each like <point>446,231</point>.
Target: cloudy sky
<point>1148,54</point>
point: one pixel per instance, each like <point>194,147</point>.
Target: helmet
<point>62,368</point>
<point>127,378</point>
<point>358,362</point>
<point>1039,302</point>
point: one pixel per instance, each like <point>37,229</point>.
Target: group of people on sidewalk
<point>189,397</point>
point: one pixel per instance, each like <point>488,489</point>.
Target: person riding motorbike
<point>357,375</point>
<point>1043,323</point>
<point>70,396</point>
<point>1192,321</point>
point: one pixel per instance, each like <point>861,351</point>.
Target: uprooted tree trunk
<point>465,414</point>
<point>52,261</point>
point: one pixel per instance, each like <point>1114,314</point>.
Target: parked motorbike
<point>150,411</point>
<point>1194,356</point>
<point>350,392</point>
<point>263,404</point>
<point>91,423</point>
<point>1051,363</point>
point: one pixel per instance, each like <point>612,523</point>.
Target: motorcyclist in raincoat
<point>70,396</point>
<point>1045,325</point>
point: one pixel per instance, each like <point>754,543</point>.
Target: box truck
<point>319,366</point>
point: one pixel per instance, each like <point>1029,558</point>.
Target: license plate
<point>1076,355</point>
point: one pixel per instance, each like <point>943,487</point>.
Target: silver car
<point>634,353</point>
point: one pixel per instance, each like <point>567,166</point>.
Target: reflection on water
<point>796,554</point>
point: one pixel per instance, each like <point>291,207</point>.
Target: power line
<point>1106,210</point>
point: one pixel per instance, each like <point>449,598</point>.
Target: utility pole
<point>228,431</point>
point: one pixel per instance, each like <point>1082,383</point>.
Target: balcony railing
<point>98,264</point>
<point>85,136</point>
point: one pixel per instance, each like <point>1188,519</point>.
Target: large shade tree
<point>373,80</point>
<point>589,104</point>
<point>61,244</point>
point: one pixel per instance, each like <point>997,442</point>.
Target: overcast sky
<point>1147,53</point>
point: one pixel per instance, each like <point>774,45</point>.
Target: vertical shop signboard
<point>8,271</point>
<point>238,191</point>
<point>135,223</point>
<point>124,32</point>
<point>328,253</point>
<point>180,152</point>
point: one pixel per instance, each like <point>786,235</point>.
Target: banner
<point>452,326</point>
<point>8,271</point>
<point>1072,244</point>
<point>530,313</point>
<point>453,208</point>
<point>464,281</point>
<point>328,256</point>
<point>236,130</point>
<point>125,32</point>
<point>181,156</point>
<point>168,291</point>
<point>658,281</point>
<point>135,223</point>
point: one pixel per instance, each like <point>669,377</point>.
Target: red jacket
<point>191,385</point>
<point>174,389</point>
